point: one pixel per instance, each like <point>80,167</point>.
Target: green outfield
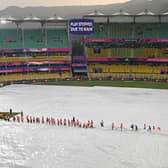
<point>133,84</point>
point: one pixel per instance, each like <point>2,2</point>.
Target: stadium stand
<point>121,50</point>
<point>34,38</point>
<point>119,46</point>
<point>19,47</point>
<point>130,30</point>
<point>10,39</point>
<point>57,38</point>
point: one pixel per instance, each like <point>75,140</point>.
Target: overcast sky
<point>23,3</point>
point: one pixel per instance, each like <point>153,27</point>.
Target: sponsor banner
<point>127,40</point>
<point>98,40</point>
<point>97,59</point>
<point>58,50</point>
<point>157,59</point>
<point>11,63</point>
<point>48,62</point>
<point>79,65</point>
<point>11,70</point>
<point>34,70</point>
<point>140,59</point>
<point>164,70</point>
<point>36,50</point>
<point>54,69</point>
<point>34,63</point>
<point>88,59</point>
<point>79,58</point>
<point>131,40</point>
<point>102,59</point>
<point>150,59</point>
<point>159,40</point>
<point>127,59</point>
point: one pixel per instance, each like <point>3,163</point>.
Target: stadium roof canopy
<point>166,13</point>
<point>146,13</point>
<point>31,18</point>
<point>96,13</point>
<point>122,16</point>
<point>56,18</point>
<point>121,13</point>
<point>8,18</point>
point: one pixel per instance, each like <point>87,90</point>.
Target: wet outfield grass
<point>134,84</point>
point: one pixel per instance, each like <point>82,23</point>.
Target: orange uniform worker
<point>91,124</point>
<point>83,125</point>
<point>5,117</point>
<point>33,119</point>
<point>112,126</point>
<point>88,124</point>
<point>30,119</point>
<point>77,122</point>
<point>121,126</point>
<point>60,121</point>
<point>18,118</point>
<point>102,123</point>
<point>22,118</point>
<point>153,127</point>
<point>42,120</point>
<point>64,122</point>
<point>14,119</point>
<point>74,123</point>
<point>27,118</point>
